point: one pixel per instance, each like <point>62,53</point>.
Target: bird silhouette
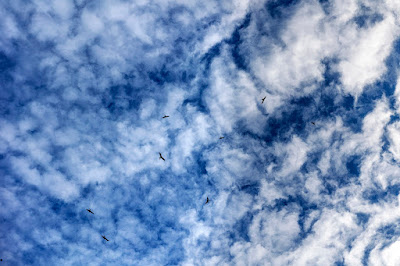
<point>165,116</point>
<point>161,157</point>
<point>263,99</point>
<point>89,210</point>
<point>207,201</point>
<point>313,123</point>
<point>221,137</point>
<point>105,238</point>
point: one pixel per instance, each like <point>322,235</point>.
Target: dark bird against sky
<point>105,238</point>
<point>89,210</point>
<point>208,200</point>
<point>165,116</point>
<point>263,99</point>
<point>161,157</point>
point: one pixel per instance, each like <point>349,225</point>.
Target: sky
<point>310,176</point>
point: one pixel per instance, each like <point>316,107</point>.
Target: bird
<point>313,123</point>
<point>105,238</point>
<point>161,157</point>
<point>221,137</point>
<point>207,200</point>
<point>165,116</point>
<point>263,99</point>
<point>89,210</point>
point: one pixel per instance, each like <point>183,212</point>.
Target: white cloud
<point>311,35</point>
<point>93,23</point>
<point>328,240</point>
<point>64,8</point>
<point>7,131</point>
<point>294,154</point>
<point>374,124</point>
<point>394,137</point>
<point>387,256</point>
<point>364,61</point>
<point>25,170</point>
<point>275,231</point>
<point>233,97</point>
<point>269,193</point>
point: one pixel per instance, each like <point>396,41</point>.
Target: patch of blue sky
<point>375,195</point>
<point>280,9</point>
<point>235,41</point>
<point>367,17</point>
<point>367,253</point>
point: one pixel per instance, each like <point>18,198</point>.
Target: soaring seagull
<point>165,116</point>
<point>89,210</point>
<point>208,200</point>
<point>263,99</point>
<point>105,238</point>
<point>161,157</point>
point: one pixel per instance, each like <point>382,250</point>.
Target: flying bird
<point>263,99</point>
<point>89,210</point>
<point>165,116</point>
<point>221,137</point>
<point>161,157</point>
<point>313,123</point>
<point>208,200</point>
<point>105,238</point>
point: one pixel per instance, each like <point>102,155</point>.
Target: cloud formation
<point>310,176</point>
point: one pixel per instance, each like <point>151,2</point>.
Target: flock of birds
<point>89,210</point>
<point>162,158</point>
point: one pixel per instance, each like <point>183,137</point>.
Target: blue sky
<point>83,89</point>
